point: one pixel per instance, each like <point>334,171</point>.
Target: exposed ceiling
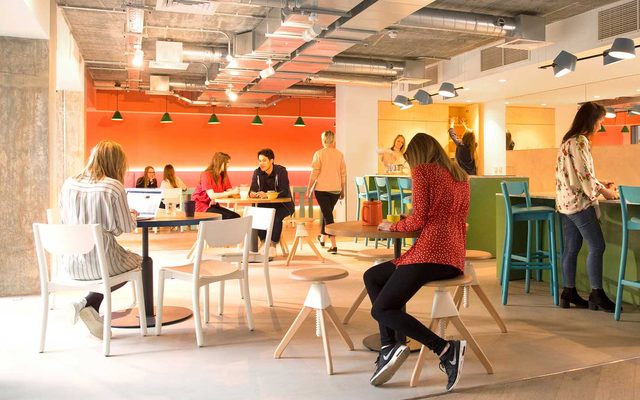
<point>363,42</point>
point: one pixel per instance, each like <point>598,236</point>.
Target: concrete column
<point>494,127</point>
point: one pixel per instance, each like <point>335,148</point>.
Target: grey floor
<point>548,352</point>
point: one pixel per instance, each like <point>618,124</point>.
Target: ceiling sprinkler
<point>392,34</point>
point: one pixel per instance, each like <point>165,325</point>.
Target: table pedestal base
<point>129,318</point>
<point>372,342</point>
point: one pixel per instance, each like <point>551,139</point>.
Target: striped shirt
<point>105,203</point>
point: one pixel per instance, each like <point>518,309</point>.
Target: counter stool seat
<point>302,235</point>
<point>443,311</point>
<point>628,195</point>
<point>317,299</point>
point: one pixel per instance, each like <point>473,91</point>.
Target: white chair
<point>53,217</point>
<point>217,233</point>
<point>59,240</point>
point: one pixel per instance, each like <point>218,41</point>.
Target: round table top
<point>318,274</point>
<point>252,200</point>
<point>356,229</point>
<point>176,220</point>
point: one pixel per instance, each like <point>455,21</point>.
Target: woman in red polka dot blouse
<point>440,208</point>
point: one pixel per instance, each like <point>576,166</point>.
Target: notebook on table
<point>145,201</point>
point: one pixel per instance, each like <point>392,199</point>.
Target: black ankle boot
<point>598,300</point>
<point>570,295</point>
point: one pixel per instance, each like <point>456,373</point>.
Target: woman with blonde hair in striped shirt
<point>97,196</point>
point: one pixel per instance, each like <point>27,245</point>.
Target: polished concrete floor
<point>548,352</point>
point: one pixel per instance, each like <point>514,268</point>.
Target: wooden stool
<point>461,295</point>
<point>444,310</point>
<point>317,299</point>
<point>378,256</point>
<point>302,234</point>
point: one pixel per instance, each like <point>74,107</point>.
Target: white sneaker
<point>92,320</point>
<point>77,306</point>
<point>272,252</point>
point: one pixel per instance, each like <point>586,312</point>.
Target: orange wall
<point>189,142</point>
<point>613,136</point>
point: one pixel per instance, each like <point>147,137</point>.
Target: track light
<point>312,32</point>
<point>623,48</point>
<point>423,97</point>
<point>635,110</point>
<point>447,90</point>
<point>564,63</point>
<point>608,59</point>
<point>611,113</point>
<point>402,101</point>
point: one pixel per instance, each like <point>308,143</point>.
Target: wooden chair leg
<point>487,304</point>
<point>325,341</point>
<point>314,248</point>
<point>417,370</point>
<point>333,317</point>
<point>471,341</point>
<point>292,252</point>
<point>284,247</point>
<point>355,305</point>
<point>457,296</point>
<point>302,315</point>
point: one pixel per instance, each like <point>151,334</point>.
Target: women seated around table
<point>440,207</point>
<point>148,179</point>
<point>171,181</point>
<point>465,149</point>
<point>272,177</point>
<point>214,184</point>
<point>577,191</point>
<point>393,158</point>
<point>97,196</point>
<point>328,181</point>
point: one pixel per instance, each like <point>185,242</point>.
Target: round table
<point>357,229</point>
<point>171,314</point>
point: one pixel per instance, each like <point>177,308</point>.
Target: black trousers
<point>390,289</point>
<point>327,201</point>
<point>282,212</point>
<point>225,212</point>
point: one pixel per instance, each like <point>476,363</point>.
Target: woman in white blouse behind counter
<point>97,196</point>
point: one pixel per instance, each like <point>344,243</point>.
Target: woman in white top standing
<point>170,180</point>
<point>394,156</point>
<point>577,191</point>
<point>97,196</point>
<point>328,182</point>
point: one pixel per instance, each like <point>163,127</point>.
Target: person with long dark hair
<point>148,179</point>
<point>214,184</point>
<point>440,208</point>
<point>465,149</point>
<point>577,190</point>
<point>393,156</point>
<point>170,179</point>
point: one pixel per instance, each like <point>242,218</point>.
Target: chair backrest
<point>221,233</point>
<point>405,185</point>
<point>514,188</point>
<point>53,216</point>
<point>262,219</point>
<point>382,185</point>
<point>173,195</point>
<point>361,186</point>
<point>628,195</point>
<point>65,240</point>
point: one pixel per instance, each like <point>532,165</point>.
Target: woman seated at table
<point>148,179</point>
<point>171,181</point>
<point>440,208</point>
<point>97,196</point>
<point>214,184</point>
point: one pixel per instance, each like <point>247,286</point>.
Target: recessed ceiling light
<point>506,102</point>
<point>502,80</point>
<point>468,101</point>
<point>596,96</point>
<point>543,104</point>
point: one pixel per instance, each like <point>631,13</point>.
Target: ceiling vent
<point>158,84</point>
<point>619,19</point>
<point>529,34</point>
<point>203,7</point>
<point>494,57</point>
<point>414,73</point>
<point>168,57</point>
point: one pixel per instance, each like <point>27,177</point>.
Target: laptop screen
<point>145,201</point>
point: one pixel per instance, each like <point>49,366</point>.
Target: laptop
<point>145,201</point>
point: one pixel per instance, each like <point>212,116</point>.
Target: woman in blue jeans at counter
<point>577,191</point>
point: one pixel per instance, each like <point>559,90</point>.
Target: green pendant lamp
<point>166,118</point>
<point>602,129</point>
<point>299,121</point>
<point>256,120</point>
<point>625,129</point>
<point>116,115</point>
<point>213,119</point>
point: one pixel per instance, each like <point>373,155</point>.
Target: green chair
<point>383,189</point>
<point>406,195</point>
<point>532,260</point>
<point>363,193</point>
<point>628,195</point>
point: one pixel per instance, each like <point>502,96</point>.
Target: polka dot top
<point>440,208</point>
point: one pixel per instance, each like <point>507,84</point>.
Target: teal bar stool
<point>628,195</point>
<point>363,193</point>
<point>532,260</point>
<point>406,195</point>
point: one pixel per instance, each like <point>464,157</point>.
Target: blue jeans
<point>576,227</point>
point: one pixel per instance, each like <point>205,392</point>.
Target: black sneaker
<point>451,362</point>
<point>389,360</point>
<point>332,250</point>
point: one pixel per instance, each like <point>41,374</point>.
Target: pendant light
<point>602,129</point>
<point>166,118</point>
<point>256,120</point>
<point>625,128</point>
<point>213,119</point>
<point>116,115</point>
<point>299,121</point>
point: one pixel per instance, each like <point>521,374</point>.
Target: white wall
<point>494,126</point>
<point>564,118</point>
<point>27,19</point>
<point>69,62</point>
<point>357,137</point>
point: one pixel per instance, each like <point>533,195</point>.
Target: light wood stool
<point>461,295</point>
<point>444,310</point>
<point>378,256</point>
<point>317,299</point>
<point>302,234</point>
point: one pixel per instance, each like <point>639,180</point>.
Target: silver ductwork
<point>445,20</point>
<point>330,78</point>
<point>350,65</point>
<point>207,55</point>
